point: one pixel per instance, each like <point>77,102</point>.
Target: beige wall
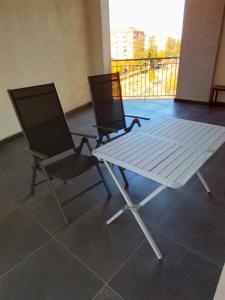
<point>220,65</point>
<point>201,28</point>
<point>45,41</point>
<point>95,36</point>
<point>99,36</point>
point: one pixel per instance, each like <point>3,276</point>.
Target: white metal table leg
<point>152,195</point>
<point>135,213</point>
<point>139,205</point>
<point>203,182</point>
<point>114,217</point>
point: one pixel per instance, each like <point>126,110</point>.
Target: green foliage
<point>152,50</point>
<point>172,48</point>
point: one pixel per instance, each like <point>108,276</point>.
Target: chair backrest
<point>107,100</point>
<point>42,120</point>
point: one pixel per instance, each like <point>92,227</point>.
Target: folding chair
<point>45,127</point>
<point>108,108</point>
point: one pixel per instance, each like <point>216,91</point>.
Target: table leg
<point>216,96</point>
<point>204,183</point>
<point>134,212</point>
<point>139,205</point>
<point>211,97</point>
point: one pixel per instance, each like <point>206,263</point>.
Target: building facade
<point>127,43</point>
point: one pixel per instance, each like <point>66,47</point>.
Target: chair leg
<point>99,141</point>
<point>121,169</point>
<point>104,181</point>
<point>124,177</point>
<point>54,195</point>
<point>33,176</point>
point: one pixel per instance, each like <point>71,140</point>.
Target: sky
<point>161,18</point>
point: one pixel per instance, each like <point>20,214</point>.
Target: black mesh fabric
<point>107,100</point>
<point>42,119</point>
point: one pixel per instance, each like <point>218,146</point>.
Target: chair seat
<point>70,166</point>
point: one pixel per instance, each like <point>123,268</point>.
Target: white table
<point>169,151</point>
<point>220,290</point>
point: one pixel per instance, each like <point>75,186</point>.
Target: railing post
<point>138,76</point>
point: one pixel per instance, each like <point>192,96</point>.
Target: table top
<point>203,136</point>
<point>220,291</point>
<point>169,151</point>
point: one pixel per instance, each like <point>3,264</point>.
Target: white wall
<point>200,37</point>
<point>44,41</point>
<point>220,65</point>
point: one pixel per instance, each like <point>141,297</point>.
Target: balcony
<point>187,223</point>
<point>41,258</point>
<point>147,77</point>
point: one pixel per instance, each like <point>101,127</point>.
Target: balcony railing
<point>147,77</point>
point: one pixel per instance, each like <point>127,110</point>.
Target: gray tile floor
<point>41,258</point>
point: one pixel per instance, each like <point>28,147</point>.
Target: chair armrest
<point>84,135</point>
<point>37,154</point>
<point>137,117</point>
<point>108,129</point>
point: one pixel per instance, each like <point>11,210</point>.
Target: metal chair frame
<point>104,131</point>
<point>40,160</point>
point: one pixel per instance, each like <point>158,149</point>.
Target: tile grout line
<point>16,205</point>
<point>122,298</point>
<point>24,259</point>
<point>187,248</point>
<point>101,289</point>
<point>218,207</point>
<point>126,260</point>
<point>53,237</point>
<point>81,261</point>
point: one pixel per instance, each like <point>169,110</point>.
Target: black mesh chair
<point>50,142</point>
<point>108,108</point>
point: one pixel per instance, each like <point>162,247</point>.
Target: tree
<point>172,47</point>
<point>152,50</point>
<point>177,48</point>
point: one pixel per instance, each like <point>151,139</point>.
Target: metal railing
<point>147,77</point>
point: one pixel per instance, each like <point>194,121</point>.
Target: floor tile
<point>51,273</point>
<point>187,215</point>
<point>6,204</point>
<point>107,294</point>
<point>198,225</point>
<point>45,211</point>
<point>19,236</point>
<point>157,209</point>
<point>18,187</point>
<point>92,176</point>
<point>214,176</point>
<point>176,110</point>
<point>179,275</point>
<point>103,247</point>
<point>13,159</point>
